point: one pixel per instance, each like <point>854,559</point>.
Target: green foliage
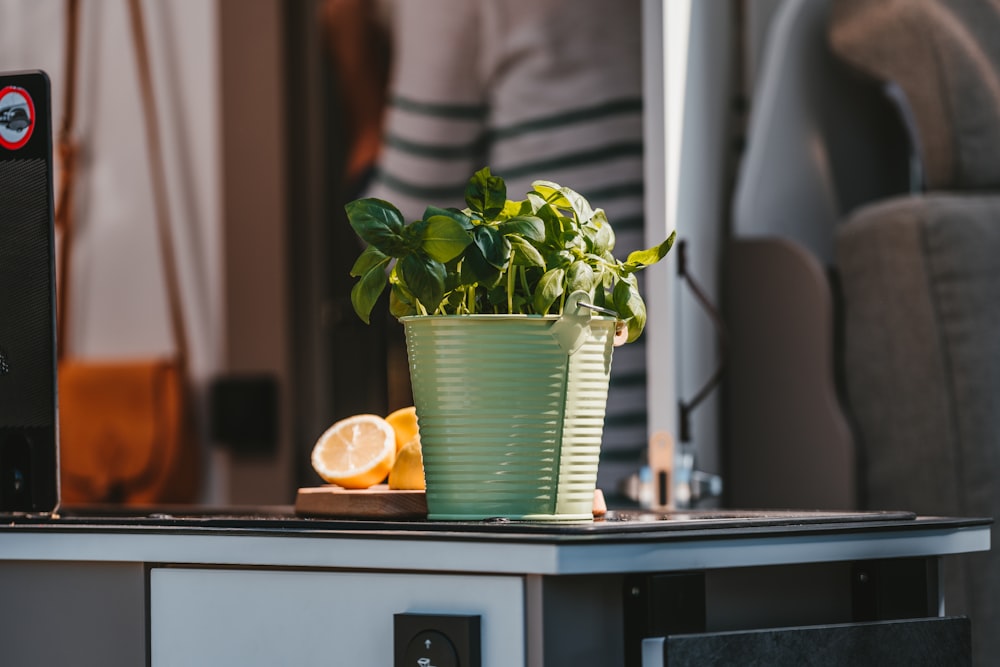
<point>496,256</point>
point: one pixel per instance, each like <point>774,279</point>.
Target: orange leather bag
<point>125,426</point>
<point>124,436</point>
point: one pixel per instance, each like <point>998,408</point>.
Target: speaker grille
<point>27,393</point>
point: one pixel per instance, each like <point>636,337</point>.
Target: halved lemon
<point>408,470</point>
<point>404,423</point>
<point>356,452</point>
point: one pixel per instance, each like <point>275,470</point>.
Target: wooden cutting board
<point>378,502</point>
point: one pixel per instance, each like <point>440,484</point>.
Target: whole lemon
<point>404,423</point>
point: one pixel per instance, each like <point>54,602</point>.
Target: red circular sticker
<point>17,117</point>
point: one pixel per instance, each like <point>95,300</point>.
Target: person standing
<point>534,89</point>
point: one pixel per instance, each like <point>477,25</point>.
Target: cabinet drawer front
<point>217,617</point>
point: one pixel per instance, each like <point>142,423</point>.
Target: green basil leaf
<point>643,258</point>
<point>424,277</point>
<point>602,239</point>
<point>413,234</point>
<point>400,302</point>
<point>567,234</point>
<point>496,296</point>
<point>549,288</point>
<point>608,277</point>
<point>621,296</point>
<point>561,259</point>
<point>528,226</point>
<point>638,321</point>
<point>580,276</point>
<point>600,271</point>
<point>458,216</point>
<point>564,198</point>
<point>536,202</point>
<point>378,223</point>
<point>553,226</point>
<point>492,244</point>
<point>366,291</point>
<point>445,238</point>
<point>511,209</point>
<point>475,268</point>
<point>370,256</point>
<point>582,208</point>
<point>630,306</point>
<point>551,193</point>
<point>525,254</point>
<point>486,193</point>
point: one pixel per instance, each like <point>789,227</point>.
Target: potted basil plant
<point>510,309</point>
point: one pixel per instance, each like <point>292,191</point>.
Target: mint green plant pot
<point>511,412</point>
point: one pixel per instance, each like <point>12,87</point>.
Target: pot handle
<point>573,326</point>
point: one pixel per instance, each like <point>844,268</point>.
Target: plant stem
<point>510,290</point>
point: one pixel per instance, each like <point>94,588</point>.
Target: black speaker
<point>29,461</point>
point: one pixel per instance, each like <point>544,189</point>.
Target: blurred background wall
<point>254,148</point>
<point>216,70</point>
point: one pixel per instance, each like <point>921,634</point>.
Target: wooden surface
<point>378,502</point>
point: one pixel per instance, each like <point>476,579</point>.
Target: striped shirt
<point>534,89</point>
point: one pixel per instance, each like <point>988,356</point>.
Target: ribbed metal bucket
<point>510,419</point>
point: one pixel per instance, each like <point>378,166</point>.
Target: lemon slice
<point>404,423</point>
<point>356,452</point>
<point>408,471</point>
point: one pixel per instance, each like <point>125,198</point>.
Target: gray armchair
<point>864,277</point>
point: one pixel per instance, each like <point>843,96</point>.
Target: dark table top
<point>618,525</point>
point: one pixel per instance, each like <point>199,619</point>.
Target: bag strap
<point>68,150</point>
<point>158,174</point>
<point>68,153</point>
